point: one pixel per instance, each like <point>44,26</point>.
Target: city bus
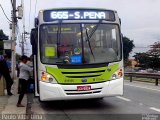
<point>77,54</point>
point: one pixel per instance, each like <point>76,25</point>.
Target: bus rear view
<point>77,54</point>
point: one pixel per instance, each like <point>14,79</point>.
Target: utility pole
<point>13,38</point>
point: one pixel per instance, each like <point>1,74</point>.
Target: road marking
<point>123,98</point>
<point>143,87</point>
<point>155,109</point>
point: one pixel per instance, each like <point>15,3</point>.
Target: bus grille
<point>75,92</point>
<point>83,74</point>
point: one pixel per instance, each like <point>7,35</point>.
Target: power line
<point>5,13</point>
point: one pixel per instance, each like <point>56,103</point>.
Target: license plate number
<point>83,88</point>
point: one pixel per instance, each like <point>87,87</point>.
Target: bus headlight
<point>45,77</point>
<point>117,75</point>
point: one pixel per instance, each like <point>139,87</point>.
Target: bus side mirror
<point>33,36</point>
<point>33,40</point>
<point>120,20</point>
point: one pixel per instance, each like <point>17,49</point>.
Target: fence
<point>155,76</point>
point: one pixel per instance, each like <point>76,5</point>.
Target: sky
<point>140,18</point>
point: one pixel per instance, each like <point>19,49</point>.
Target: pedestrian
<point>8,61</point>
<point>5,72</point>
<point>24,75</point>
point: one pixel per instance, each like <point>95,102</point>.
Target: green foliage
<point>3,36</point>
<point>143,59</point>
<point>1,33</point>
<point>128,46</point>
<point>150,59</point>
<point>1,42</point>
<point>155,49</point>
<point>1,47</point>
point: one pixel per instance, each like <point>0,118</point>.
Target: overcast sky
<point>140,18</point>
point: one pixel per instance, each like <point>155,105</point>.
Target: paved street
<point>139,99</point>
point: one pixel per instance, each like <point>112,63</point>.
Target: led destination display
<point>51,15</point>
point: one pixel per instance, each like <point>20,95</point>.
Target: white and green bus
<point>77,54</point>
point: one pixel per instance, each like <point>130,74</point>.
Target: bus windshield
<point>79,43</point>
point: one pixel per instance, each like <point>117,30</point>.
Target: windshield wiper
<point>93,31</point>
<point>90,35</point>
<point>89,44</point>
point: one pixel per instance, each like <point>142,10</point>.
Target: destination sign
<point>51,15</point>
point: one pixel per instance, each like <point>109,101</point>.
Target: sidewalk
<point>8,103</point>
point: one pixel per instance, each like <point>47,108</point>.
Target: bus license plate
<point>83,88</point>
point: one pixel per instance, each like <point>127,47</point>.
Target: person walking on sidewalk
<point>5,71</point>
<point>24,75</point>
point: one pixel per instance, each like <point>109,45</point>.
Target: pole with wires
<point>13,36</point>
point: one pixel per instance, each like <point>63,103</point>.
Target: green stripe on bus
<point>73,76</point>
<point>83,70</point>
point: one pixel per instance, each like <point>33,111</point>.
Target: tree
<point>154,55</point>
<point>1,47</point>
<point>2,37</point>
<point>127,47</point>
<point>143,59</point>
<point>155,49</point>
<point>151,58</point>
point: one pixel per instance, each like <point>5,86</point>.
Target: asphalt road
<point>141,101</point>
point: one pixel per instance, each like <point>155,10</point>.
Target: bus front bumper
<point>50,91</point>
